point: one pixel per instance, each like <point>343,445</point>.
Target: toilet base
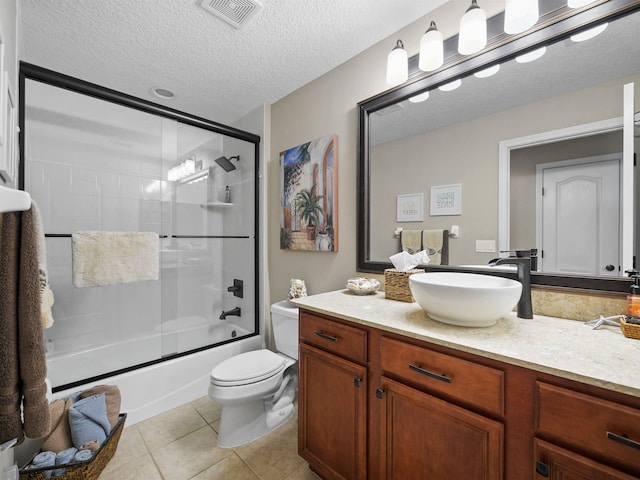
<point>240,424</point>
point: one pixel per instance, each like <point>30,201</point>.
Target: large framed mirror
<point>554,125</point>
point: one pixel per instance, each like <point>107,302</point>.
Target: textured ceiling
<point>217,72</point>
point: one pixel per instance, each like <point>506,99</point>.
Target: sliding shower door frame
<point>39,74</point>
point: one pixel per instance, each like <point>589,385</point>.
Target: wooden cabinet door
<point>555,463</point>
<point>424,437</point>
<point>332,418</point>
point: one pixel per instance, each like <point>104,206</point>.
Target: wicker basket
<point>396,284</point>
<point>87,470</point>
<point>630,330</point>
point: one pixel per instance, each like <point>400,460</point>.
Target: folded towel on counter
<point>43,460</point>
<point>83,455</point>
<point>432,241</point>
<point>60,437</point>
<point>62,458</point>
<point>46,295</point>
<point>411,241</point>
<point>112,398</point>
<point>112,258</point>
<point>88,420</point>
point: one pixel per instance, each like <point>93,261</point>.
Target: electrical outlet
<point>485,246</point>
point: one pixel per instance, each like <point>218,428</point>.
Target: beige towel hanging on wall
<point>112,258</point>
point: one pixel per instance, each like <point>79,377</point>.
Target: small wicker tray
<point>630,330</point>
<point>396,284</point>
<point>88,470</point>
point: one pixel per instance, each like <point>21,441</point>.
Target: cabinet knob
<point>356,382</point>
<point>379,393</point>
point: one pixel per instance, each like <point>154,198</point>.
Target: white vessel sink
<point>465,299</point>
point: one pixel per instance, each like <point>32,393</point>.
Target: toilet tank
<point>284,318</point>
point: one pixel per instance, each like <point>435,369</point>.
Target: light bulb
<point>397,65</point>
<point>487,72</point>
<point>589,34</point>
<point>520,15</point>
<point>431,49</point>
<point>531,56</point>
<point>473,30</point>
<point>448,87</point>
<point>421,97</point>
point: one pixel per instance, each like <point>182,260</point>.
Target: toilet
<point>256,389</point>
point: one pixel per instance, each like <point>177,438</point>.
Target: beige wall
<point>328,105</point>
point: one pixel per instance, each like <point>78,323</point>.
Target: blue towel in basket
<point>88,420</point>
<point>44,459</point>
<point>62,458</point>
<point>83,455</point>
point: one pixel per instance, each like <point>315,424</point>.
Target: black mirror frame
<point>559,24</point>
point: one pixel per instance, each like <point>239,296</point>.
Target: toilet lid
<point>249,367</point>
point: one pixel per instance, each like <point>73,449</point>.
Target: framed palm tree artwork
<point>309,196</point>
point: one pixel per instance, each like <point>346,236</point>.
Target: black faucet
<point>525,310</point>
<point>235,311</point>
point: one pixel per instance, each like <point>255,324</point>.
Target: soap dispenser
<point>633,299</point>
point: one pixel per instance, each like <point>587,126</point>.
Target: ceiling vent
<point>236,13</point>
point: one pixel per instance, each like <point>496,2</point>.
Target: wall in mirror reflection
<point>467,153</point>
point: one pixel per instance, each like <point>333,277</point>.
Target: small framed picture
<point>409,207</point>
<point>446,200</point>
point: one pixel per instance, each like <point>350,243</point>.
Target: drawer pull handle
<point>437,376</point>
<point>623,440</point>
<point>325,336</point>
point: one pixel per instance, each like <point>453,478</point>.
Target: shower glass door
<point>94,165</point>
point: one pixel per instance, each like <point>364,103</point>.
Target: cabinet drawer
<point>344,340</point>
<point>589,422</point>
<point>467,381</point>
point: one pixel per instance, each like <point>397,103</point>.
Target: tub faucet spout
<point>525,309</point>
<point>236,311</point>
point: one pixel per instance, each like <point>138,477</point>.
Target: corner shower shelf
<point>216,205</point>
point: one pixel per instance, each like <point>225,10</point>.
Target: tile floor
<point>182,444</point>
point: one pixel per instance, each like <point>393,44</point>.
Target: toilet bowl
<point>256,389</point>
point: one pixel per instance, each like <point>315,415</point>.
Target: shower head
<point>225,162</point>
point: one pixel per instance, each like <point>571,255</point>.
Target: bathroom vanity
<point>387,393</point>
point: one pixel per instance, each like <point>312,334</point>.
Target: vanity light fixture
<point>431,49</point>
<point>421,97</point>
<point>578,3</point>
<point>520,15</point>
<point>589,34</point>
<point>531,56</point>
<point>397,65</point>
<point>487,72</point>
<point>473,30</point>
<point>448,87</point>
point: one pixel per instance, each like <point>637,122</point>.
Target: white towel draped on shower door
<point>112,258</point>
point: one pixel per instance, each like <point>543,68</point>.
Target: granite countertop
<point>565,348</point>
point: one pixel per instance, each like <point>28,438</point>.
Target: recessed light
<point>163,93</point>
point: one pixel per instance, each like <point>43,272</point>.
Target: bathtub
<point>154,389</point>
